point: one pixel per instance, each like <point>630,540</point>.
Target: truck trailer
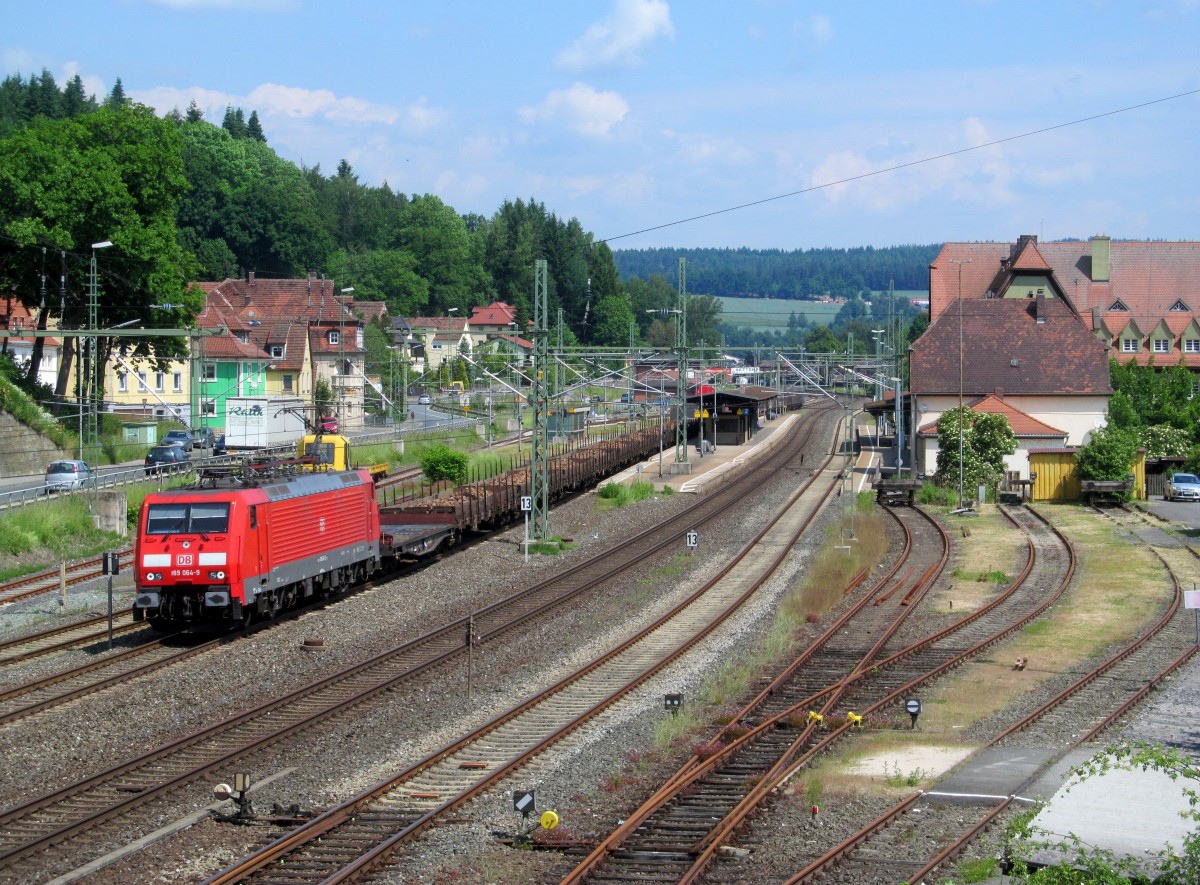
<point>259,422</point>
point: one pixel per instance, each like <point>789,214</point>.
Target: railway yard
<point>385,747</point>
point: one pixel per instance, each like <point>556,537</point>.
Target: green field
<point>772,313</point>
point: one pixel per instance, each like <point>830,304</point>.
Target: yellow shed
<point>1055,478</point>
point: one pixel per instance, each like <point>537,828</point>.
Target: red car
<point>329,425</point>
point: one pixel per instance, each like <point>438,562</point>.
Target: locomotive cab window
<point>212,519</point>
<point>323,452</point>
<point>175,519</point>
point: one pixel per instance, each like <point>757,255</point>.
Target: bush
<point>443,463</point>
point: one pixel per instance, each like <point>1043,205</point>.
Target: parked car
<point>180,438</point>
<point>203,437</point>
<point>219,446</point>
<point>424,400</point>
<point>66,475</point>
<point>1183,487</point>
<point>329,425</point>
<point>166,459</point>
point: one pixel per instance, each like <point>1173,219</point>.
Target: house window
<point>208,407</point>
<point>1191,345</point>
<point>1162,345</point>
<point>209,372</point>
<point>142,386</point>
<point>1118,305</point>
<point>243,337</point>
<point>1180,306</point>
<point>335,338</point>
<point>177,381</point>
<point>1129,345</point>
<point>122,382</point>
<point>287,382</point>
<point>276,351</point>
<point>160,380</point>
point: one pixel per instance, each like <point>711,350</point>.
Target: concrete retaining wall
<point>24,452</point>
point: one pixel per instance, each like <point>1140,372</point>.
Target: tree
<point>116,174</point>
<point>613,318</point>
<point>1109,455</point>
<point>194,114</point>
<point>254,128</point>
<point>986,439</point>
<point>116,98</point>
<point>820,340</point>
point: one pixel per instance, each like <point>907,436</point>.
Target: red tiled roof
<point>495,314</point>
<point>514,339</point>
<point>1147,278</point>
<point>999,345</point>
<point>1022,424</point>
<point>228,347</point>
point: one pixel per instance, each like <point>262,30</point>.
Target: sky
<point>844,124</point>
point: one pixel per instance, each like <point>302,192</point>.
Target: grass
<point>61,528</point>
<point>614,495</point>
<point>832,567</point>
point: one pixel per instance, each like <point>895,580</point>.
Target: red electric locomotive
<point>225,555</point>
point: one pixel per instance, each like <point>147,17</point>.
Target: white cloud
<point>581,109</point>
<point>618,40</point>
<point>290,101</point>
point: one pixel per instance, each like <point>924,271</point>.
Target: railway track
<point>52,579</point>
<point>1075,715</point>
<point>353,838</point>
<point>28,831</point>
<point>923,834</point>
<point>80,633</point>
<point>674,835</point>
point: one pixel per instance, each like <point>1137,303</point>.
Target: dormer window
<point>1130,345</point>
<point>243,337</point>
<point>1161,345</point>
<point>1118,305</point>
<point>1180,307</point>
<point>335,337</point>
<point>276,351</point>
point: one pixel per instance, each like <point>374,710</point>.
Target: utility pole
<point>960,262</point>
<point>539,473</point>
<point>681,455</point>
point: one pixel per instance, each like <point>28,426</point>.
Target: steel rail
<point>443,644</point>
<point>779,774</point>
<point>356,809</point>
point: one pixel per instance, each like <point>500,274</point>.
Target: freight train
<point>248,542</point>
<point>228,553</point>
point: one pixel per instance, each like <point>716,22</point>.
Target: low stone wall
<point>24,452</point>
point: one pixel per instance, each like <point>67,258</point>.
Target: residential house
<point>1140,298</point>
<point>15,317</point>
<point>490,321</point>
<point>998,336</point>
<point>441,338</point>
<point>309,331</point>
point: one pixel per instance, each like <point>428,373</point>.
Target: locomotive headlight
<point>216,576</point>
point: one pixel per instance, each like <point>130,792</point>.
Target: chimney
<point>999,393</point>
<point>1041,307</point>
<point>1100,261</point>
<point>250,279</point>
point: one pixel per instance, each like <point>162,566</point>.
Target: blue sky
<point>631,114</point>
